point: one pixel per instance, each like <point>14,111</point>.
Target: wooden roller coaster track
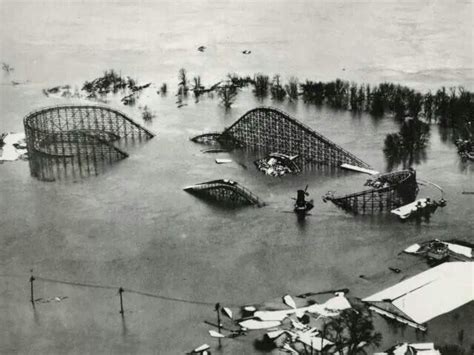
<point>72,140</point>
<point>273,130</point>
<point>225,191</point>
<point>396,189</point>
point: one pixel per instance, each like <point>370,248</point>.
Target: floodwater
<point>134,227</point>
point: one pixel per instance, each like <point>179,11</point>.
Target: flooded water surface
<point>135,227</point>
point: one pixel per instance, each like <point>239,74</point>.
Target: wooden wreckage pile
<point>310,324</point>
<point>436,251</point>
<point>289,325</point>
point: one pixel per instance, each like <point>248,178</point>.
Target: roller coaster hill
<point>273,131</point>
<point>78,140</point>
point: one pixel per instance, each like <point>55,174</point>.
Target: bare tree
<point>353,330</point>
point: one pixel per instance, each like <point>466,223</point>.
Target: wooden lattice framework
<point>77,140</point>
<point>272,130</point>
<point>226,192</point>
<point>401,189</point>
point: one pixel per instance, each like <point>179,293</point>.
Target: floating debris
<point>277,164</point>
<point>215,334</point>
<point>423,207</point>
<point>359,169</point>
<point>216,150</point>
<point>52,299</point>
<point>289,301</point>
<point>389,191</point>
<point>13,147</point>
<point>411,349</point>
<point>253,324</point>
<point>227,192</point>
<point>201,350</point>
<point>330,308</point>
<point>201,48</point>
<point>223,161</point>
<point>227,312</point>
<point>438,250</point>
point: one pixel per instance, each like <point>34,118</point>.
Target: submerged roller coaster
<point>226,192</point>
<point>77,140</point>
<point>272,130</point>
<point>390,191</point>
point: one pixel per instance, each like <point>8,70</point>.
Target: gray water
<point>134,226</point>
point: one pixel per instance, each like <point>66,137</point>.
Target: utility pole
<point>218,311</point>
<point>121,300</point>
<point>32,279</point>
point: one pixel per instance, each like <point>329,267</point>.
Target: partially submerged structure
<point>427,295</point>
<point>272,130</point>
<point>277,164</point>
<point>421,208</point>
<point>224,191</point>
<point>437,250</point>
<point>388,191</point>
<point>77,140</point>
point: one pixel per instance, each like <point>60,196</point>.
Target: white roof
<point>433,292</point>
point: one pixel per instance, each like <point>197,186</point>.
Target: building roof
<point>431,293</point>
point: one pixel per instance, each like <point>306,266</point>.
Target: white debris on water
<point>418,249</point>
<point>14,147</point>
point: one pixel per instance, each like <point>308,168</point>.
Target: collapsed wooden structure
<point>272,130</point>
<point>77,140</point>
<point>226,192</point>
<point>391,191</point>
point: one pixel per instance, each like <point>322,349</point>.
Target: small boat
<point>302,207</point>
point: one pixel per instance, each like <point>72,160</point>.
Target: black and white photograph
<point>237,177</point>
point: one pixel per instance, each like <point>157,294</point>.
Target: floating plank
<point>253,324</point>
<point>215,334</point>
<point>359,169</point>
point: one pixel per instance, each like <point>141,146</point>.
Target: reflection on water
<point>408,146</point>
